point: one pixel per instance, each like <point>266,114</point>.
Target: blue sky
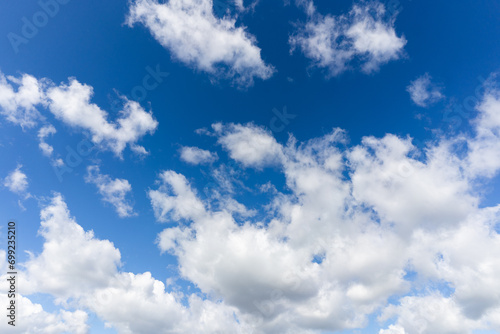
<point>196,177</point>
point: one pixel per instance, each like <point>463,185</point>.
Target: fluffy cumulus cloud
<point>195,36</point>
<point>73,261</point>
<point>250,145</point>
<point>307,264</point>
<point>197,156</point>
<point>83,272</point>
<point>21,98</point>
<point>423,92</point>
<point>16,181</point>
<point>366,34</point>
<point>36,320</point>
<point>113,191</point>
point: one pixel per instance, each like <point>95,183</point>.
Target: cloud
<point>197,156</point>
<point>73,261</point>
<point>483,159</point>
<point>70,103</point>
<point>19,98</point>
<point>429,314</point>
<point>31,317</point>
<point>423,92</point>
<point>112,191</point>
<point>421,210</point>
<point>197,38</point>
<point>16,181</point>
<point>393,330</point>
<point>364,34</point>
<point>81,270</point>
<point>250,145</point>
<point>34,319</point>
<point>182,204</point>
<point>43,133</point>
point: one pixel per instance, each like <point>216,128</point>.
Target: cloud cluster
<point>112,191</point>
<point>82,272</point>
<point>21,98</point>
<point>333,42</point>
<point>423,92</point>
<point>405,225</point>
<point>195,36</point>
<point>380,228</point>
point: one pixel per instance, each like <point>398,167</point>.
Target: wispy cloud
<point>197,156</point>
<point>423,92</point>
<point>333,42</point>
<point>113,191</point>
<point>43,133</point>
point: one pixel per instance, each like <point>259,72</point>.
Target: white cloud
<point>32,318</point>
<point>19,104</point>
<point>393,329</point>
<point>139,150</point>
<point>197,156</point>
<point>43,133</point>
<point>73,261</point>
<point>250,145</point>
<point>423,92</point>
<point>71,104</point>
<point>112,191</point>
<point>429,314</point>
<point>333,42</point>
<point>194,36</point>
<point>183,202</point>
<point>483,159</point>
<point>16,181</point>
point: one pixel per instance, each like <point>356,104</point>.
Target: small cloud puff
<point>112,191</point>
<point>16,181</point>
<point>423,92</point>
<point>197,156</point>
